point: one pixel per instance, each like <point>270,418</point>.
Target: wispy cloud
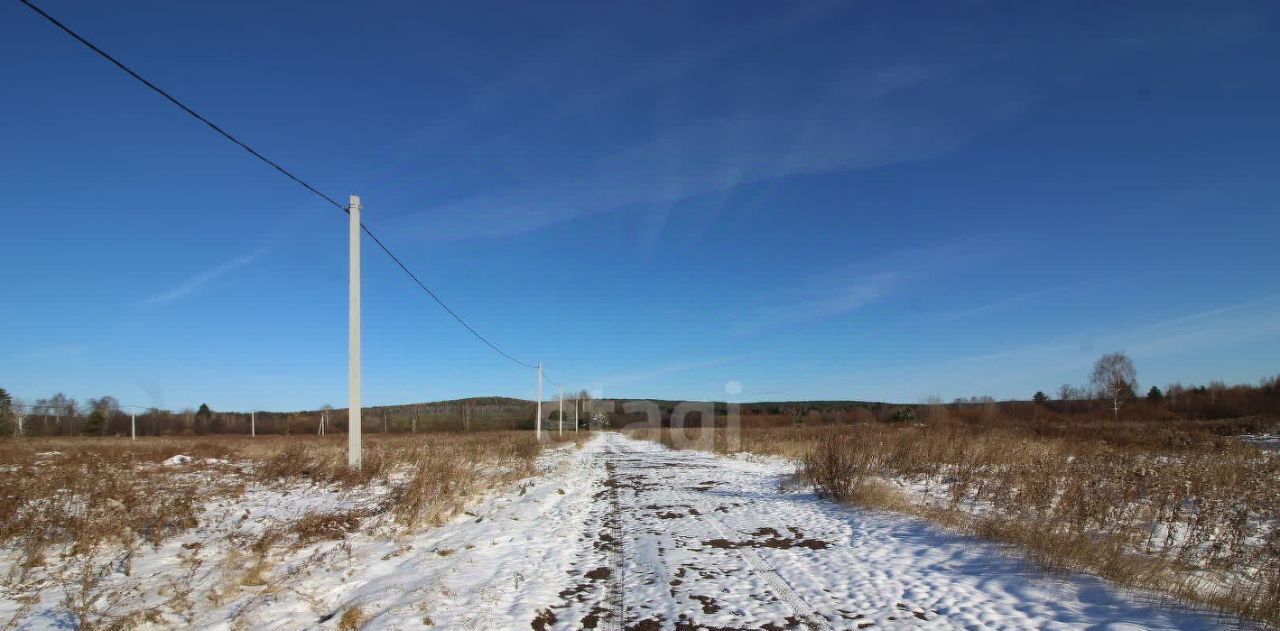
<point>834,300</point>
<point>58,353</point>
<point>844,289</point>
<point>997,305</point>
<point>668,369</point>
<point>194,283</point>
<point>876,120</point>
<point>577,54</point>
<point>1033,366</point>
<point>1239,322</point>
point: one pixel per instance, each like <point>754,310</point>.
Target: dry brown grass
<point>68,519</point>
<point>351,619</point>
<point>1173,507</point>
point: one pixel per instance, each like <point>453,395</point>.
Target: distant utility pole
<point>133,426</point>
<point>577,408</point>
<point>253,424</point>
<point>561,430</point>
<point>538,421</point>
<point>353,336</point>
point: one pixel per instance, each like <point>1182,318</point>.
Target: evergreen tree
<point>1040,397</point>
<point>1155,396</point>
<point>203,419</point>
<point>7,423</point>
<point>94,424</point>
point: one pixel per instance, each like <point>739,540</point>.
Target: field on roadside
<point>1176,507</point>
<point>111,533</point>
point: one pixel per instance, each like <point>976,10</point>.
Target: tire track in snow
<point>807,615</point>
<point>616,585</point>
<point>848,568</point>
<point>587,596</point>
<point>633,468</point>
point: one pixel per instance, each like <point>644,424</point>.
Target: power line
<point>438,300</point>
<point>225,134</point>
<point>68,407</point>
<point>549,379</point>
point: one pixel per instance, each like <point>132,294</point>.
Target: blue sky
<point>877,200</point>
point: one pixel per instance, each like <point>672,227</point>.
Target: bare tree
<point>18,414</point>
<point>582,406</point>
<point>107,405</point>
<point>935,411</point>
<point>62,408</point>
<point>325,411</point>
<point>1115,379</point>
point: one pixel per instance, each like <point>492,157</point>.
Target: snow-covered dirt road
<point>636,536</point>
<point>685,539</point>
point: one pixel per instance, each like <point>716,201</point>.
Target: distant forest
<point>60,415</point>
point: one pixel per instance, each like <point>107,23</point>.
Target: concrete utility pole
<point>253,424</point>
<point>577,408</point>
<point>561,430</point>
<point>133,426</point>
<point>353,336</point>
<point>538,425</point>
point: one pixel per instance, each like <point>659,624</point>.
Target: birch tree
<point>1115,379</point>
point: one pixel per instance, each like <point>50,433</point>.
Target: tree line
<point>1112,390</point>
<point>1113,387</point>
<point>61,415</point>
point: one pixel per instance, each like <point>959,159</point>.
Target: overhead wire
<point>275,165</point>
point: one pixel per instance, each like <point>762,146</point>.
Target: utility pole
<point>415,420</point>
<point>353,335</point>
<point>577,408</point>
<point>561,430</point>
<point>253,424</point>
<point>133,426</point>
<point>538,421</point>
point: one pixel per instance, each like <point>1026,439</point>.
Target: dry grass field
<point>1176,507</point>
<point>77,515</point>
